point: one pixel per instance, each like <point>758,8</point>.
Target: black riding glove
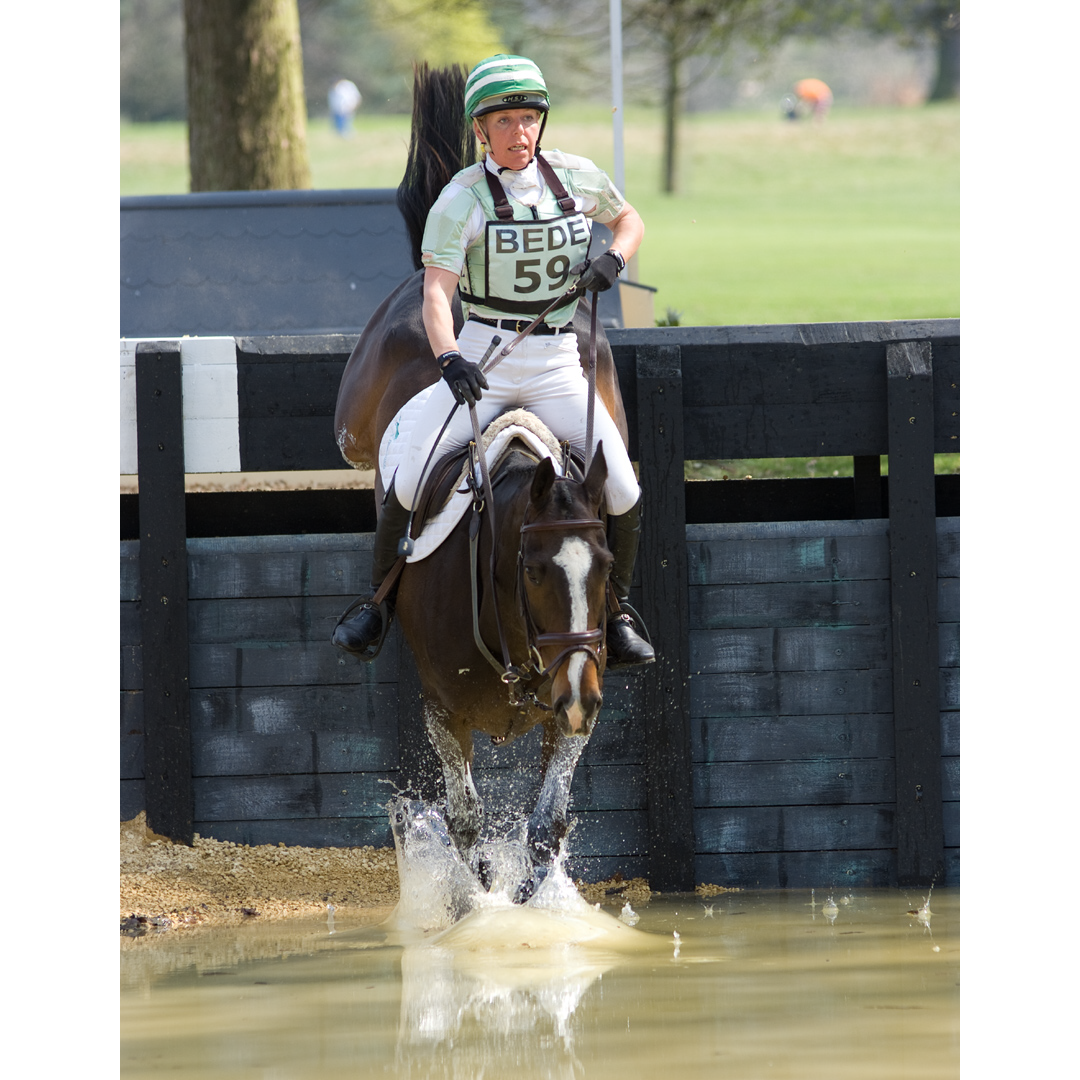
<point>464,378</point>
<point>600,274</point>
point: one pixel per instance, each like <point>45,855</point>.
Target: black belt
<point>517,325</point>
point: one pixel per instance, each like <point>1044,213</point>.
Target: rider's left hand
<point>600,274</point>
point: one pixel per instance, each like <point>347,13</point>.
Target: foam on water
<point>442,895</point>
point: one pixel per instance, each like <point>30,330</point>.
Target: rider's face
<point>510,136</point>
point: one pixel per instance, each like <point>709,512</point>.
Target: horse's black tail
<point>441,144</point>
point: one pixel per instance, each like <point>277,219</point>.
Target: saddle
<point>454,482</point>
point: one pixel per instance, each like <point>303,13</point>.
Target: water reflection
<point>763,984</point>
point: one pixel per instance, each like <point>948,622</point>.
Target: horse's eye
<point>534,573</point>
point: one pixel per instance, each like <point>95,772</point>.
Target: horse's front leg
<point>453,744</point>
<point>547,823</point>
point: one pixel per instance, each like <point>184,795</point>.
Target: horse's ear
<point>597,476</point>
<point>543,479</point>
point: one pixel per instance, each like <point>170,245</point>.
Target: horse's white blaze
<point>575,559</point>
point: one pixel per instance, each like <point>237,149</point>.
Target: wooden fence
<point>800,728</point>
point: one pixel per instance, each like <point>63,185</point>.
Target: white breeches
<point>543,374</point>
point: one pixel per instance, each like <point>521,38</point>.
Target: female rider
<point>505,233</point>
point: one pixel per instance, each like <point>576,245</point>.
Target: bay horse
<point>550,561</point>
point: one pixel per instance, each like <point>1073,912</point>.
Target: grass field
<point>856,219</point>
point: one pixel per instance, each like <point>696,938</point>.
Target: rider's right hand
<point>465,379</point>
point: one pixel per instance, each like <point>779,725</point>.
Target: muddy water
<point>745,985</point>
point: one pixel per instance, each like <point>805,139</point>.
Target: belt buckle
<point>519,325</point>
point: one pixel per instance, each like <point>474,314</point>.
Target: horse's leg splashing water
<point>464,809</point>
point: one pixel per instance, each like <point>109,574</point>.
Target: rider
<point>506,233</point>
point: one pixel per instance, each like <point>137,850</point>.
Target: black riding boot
<point>625,643</point>
<point>358,633</point>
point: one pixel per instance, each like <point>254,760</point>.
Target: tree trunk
<point>247,123</point>
<point>947,83</point>
<point>672,104</point>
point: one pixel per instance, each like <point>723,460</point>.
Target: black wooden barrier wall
<point>801,726</point>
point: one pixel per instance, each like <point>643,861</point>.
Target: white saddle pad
<point>517,423</point>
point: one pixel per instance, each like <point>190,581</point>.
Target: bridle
<point>590,642</point>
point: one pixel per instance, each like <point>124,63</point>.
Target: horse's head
<point>565,563</point>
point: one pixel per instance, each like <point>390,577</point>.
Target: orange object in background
<point>816,94</point>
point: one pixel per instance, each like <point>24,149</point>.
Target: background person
<point>816,96</point>
<point>344,99</point>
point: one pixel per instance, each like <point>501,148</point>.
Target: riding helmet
<point>505,82</point>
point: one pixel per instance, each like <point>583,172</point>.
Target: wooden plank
<point>246,573</point>
<point>832,603</point>
<point>791,693</point>
<point>823,870</point>
<point>950,734</point>
<point>129,570</point>
<point>800,828</point>
<point>664,608</point>
<point>948,547</point>
<point>283,754</point>
<point>288,664</point>
<point>951,818</point>
<point>793,783</point>
<point>604,868</point>
<point>594,788</point>
<point>132,798</point>
<point>948,600</point>
<point>273,444</point>
<point>132,750</point>
<point>130,623</point>
<point>820,557</point>
<point>793,648</point>
<point>913,555</point>
<point>949,645</point>
<point>131,667</point>
<point>364,710</point>
<point>300,795</point>
<point>163,584</point>
<point>950,778</point>
<point>609,833</point>
<point>790,738</point>
<point>264,620</point>
<point>131,712</point>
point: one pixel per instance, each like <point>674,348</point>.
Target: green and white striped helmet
<point>505,82</point>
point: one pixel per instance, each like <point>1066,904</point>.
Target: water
<point>461,983</point>
<point>756,984</point>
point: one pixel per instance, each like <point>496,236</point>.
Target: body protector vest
<point>524,261</point>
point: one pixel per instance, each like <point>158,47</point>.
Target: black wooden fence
<point>800,728</point>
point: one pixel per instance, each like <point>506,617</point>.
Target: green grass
<point>856,219</point>
<point>795,468</point>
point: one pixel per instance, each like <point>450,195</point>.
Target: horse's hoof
<point>527,889</point>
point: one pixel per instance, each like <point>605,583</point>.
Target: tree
<point>247,125</point>
<point>151,60</point>
<point>911,22</point>
<point>661,36</point>
<point>679,30</point>
<point>938,20</point>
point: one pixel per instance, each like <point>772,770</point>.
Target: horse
<point>547,550</point>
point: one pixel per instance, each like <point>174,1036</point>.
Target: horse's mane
<point>441,144</point>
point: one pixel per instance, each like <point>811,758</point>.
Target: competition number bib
<point>530,261</point>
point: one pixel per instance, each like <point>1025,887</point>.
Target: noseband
<point>591,642</point>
